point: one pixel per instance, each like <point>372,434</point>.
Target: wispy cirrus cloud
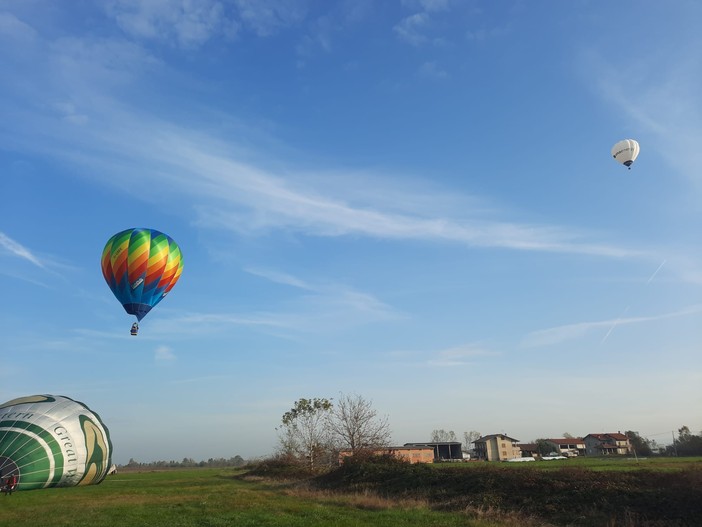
<point>431,70</point>
<point>411,29</point>
<point>322,309</point>
<point>460,356</point>
<point>232,187</point>
<point>559,334</point>
<point>657,93</point>
<point>235,194</point>
<point>268,16</point>
<point>164,354</point>
<point>280,278</point>
<point>187,24</point>
<point>428,5</point>
<point>17,249</point>
<point>330,300</point>
<point>193,23</point>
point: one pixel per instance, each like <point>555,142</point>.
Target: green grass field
<point>208,498</point>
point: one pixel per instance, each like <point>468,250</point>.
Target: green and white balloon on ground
<point>52,441</point>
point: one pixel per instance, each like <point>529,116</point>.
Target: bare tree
<point>469,438</point>
<point>442,436</point>
<point>356,425</point>
<point>304,433</point>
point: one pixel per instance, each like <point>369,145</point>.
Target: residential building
<point>497,447</point>
<point>570,446</point>
<point>412,454</point>
<point>607,444</point>
<point>528,449</point>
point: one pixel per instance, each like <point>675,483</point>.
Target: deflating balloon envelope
<point>52,441</point>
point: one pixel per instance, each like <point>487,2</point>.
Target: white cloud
<point>18,250</point>
<point>265,17</point>
<point>556,335</point>
<point>13,27</point>
<point>319,309</point>
<point>192,23</point>
<point>229,191</point>
<point>280,278</point>
<point>410,29</point>
<point>657,95</point>
<point>245,197</point>
<point>431,70</point>
<point>428,5</point>
<point>187,22</point>
<point>164,353</point>
<point>460,356</point>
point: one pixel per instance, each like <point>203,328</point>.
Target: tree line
<point>187,462</point>
<point>687,444</point>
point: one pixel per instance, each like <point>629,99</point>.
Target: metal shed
<point>448,450</point>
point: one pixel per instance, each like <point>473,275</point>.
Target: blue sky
<point>409,200</point>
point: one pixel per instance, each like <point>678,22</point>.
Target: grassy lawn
<point>221,497</point>
<point>208,498</point>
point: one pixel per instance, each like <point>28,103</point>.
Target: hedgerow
<point>569,496</point>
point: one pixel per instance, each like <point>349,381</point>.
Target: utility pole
<point>675,448</point>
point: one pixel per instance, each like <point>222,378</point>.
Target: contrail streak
<point>616,323</point>
<point>656,272</point>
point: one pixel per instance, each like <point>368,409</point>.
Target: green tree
<point>641,445</point>
<point>688,444</point>
<point>305,433</point>
<point>545,447</point>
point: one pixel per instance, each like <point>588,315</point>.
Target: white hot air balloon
<point>626,152</point>
<point>52,441</point>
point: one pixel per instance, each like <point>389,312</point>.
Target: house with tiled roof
<point>529,449</point>
<point>570,446</point>
<point>612,443</point>
<point>497,447</point>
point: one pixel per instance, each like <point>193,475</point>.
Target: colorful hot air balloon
<point>52,441</point>
<point>141,266</point>
<point>626,152</point>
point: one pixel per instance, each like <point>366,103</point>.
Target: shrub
<point>572,496</point>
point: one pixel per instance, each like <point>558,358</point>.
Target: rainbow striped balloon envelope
<point>141,266</point>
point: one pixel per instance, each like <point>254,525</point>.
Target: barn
<point>443,451</point>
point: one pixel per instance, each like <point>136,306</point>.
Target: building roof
<point>567,441</point>
<point>487,438</point>
<point>389,448</point>
<point>527,447</point>
<point>432,444</point>
<point>617,436</point>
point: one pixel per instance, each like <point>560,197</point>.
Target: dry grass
<point>500,517</point>
<point>366,500</point>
